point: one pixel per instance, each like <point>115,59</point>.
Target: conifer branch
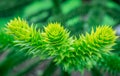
<point>69,52</point>
<point>25,36</point>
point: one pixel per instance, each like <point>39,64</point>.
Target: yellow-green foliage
<point>55,42</point>
<point>25,36</point>
<point>55,34</point>
<point>89,48</point>
<point>59,44</point>
<point>23,32</point>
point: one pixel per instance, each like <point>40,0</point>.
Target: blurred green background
<point>76,15</point>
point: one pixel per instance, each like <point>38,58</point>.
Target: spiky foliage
<point>110,63</point>
<point>55,42</point>
<point>25,35</point>
<point>55,34</point>
<point>90,47</point>
<point>81,53</point>
<point>55,37</point>
<point>59,45</point>
<point>12,58</point>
